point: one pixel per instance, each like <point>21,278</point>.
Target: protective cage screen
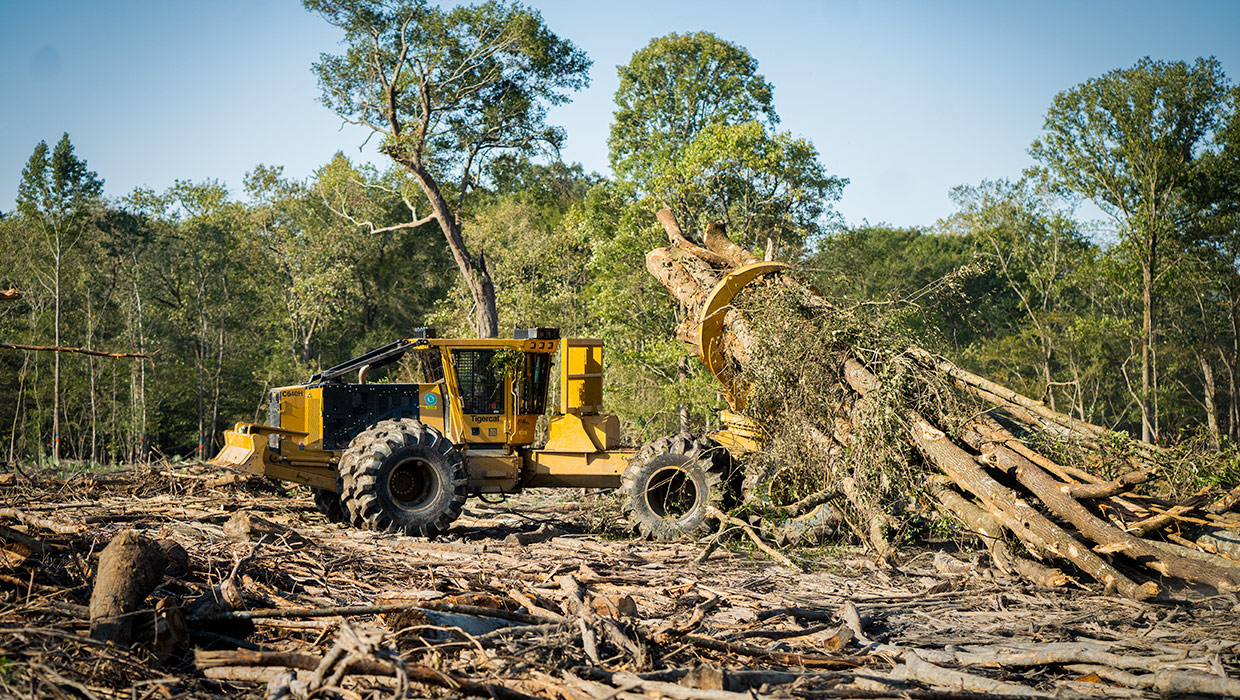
<point>480,382</point>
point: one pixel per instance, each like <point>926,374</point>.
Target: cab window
<point>480,382</point>
<point>535,369</point>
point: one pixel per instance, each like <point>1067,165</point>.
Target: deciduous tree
<point>674,88</point>
<point>57,195</point>
<point>1130,141</point>
<point>447,90</point>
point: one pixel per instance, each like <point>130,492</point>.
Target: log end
<point>130,568</point>
<point>1147,590</point>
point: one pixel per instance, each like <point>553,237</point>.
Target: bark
<point>243,527</point>
<point>689,272</point>
<point>129,569</point>
<point>1148,433</point>
<point>1233,403</point>
<point>918,669</point>
<point>474,272</point>
<point>990,532</point>
<point>1107,536</point>
<point>716,238</point>
<point>1207,374</point>
<point>1110,488</point>
<point>94,415</point>
<point>668,219</point>
<point>247,665</point>
<point>1016,514</point>
<point>56,361</point>
<point>1003,396</point>
<point>1226,503</point>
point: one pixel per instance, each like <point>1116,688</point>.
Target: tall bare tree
<point>446,90</point>
<point>57,195</point>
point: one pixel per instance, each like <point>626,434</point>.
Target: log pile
<point>854,412</point>
<point>258,595</point>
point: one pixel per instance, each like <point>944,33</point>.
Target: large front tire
<point>403,476</point>
<point>670,483</point>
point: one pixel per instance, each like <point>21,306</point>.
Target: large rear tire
<point>403,476</point>
<point>670,482</point>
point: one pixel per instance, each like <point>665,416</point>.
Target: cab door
<point>482,390</point>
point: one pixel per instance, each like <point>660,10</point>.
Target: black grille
<point>480,383</point>
<point>348,409</point>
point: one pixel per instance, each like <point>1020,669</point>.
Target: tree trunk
<point>1148,433</point>
<point>90,341</point>
<point>1233,410</point>
<point>215,401</point>
<point>1054,496</point>
<point>1207,373</point>
<point>138,382</point>
<point>1046,373</point>
<point>201,352</point>
<point>986,501</point>
<point>18,407</point>
<point>56,362</point>
<point>477,279</point>
<point>1015,513</point>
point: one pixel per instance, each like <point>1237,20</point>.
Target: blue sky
<point>907,99</point>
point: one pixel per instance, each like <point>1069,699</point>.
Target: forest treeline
<point>1128,317</point>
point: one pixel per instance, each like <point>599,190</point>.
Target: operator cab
<point>484,392</point>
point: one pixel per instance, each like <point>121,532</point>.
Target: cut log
<point>243,527</point>
<point>716,238</point>
<point>990,532</point>
<point>672,227</point>
<point>918,669</point>
<point>835,417</point>
<point>1110,488</point>
<point>129,569</point>
<point>1096,529</point>
<point>1033,528</point>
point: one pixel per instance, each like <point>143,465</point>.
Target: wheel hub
<point>672,493</point>
<point>411,483</point>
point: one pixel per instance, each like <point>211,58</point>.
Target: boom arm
<point>378,357</point>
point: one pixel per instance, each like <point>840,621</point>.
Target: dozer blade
<point>240,450</point>
<point>245,447</point>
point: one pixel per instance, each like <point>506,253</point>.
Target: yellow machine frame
<point>582,448</point>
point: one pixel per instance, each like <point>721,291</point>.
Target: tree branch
<point>83,351</point>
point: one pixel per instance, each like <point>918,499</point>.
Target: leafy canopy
<point>1129,139</point>
<point>58,187</point>
<point>447,87</point>
<point>764,184</point>
<point>676,87</point>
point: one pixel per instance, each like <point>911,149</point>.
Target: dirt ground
<point>525,598</point>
